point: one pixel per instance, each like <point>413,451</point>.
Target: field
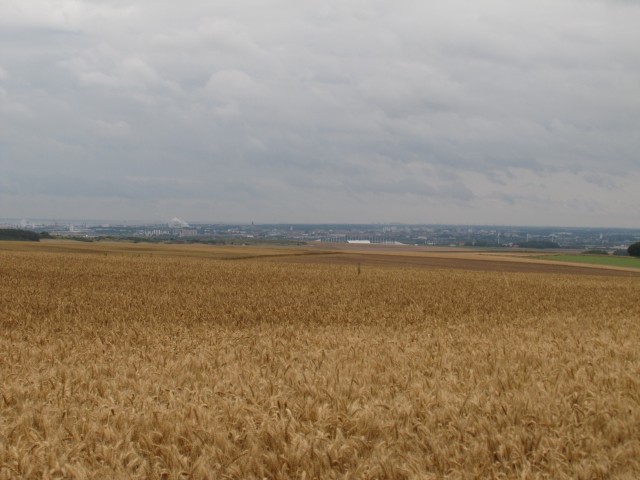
<point>630,262</point>
<point>172,362</point>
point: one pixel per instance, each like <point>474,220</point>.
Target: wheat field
<point>142,365</point>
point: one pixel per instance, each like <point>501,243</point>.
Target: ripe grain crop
<point>187,366</point>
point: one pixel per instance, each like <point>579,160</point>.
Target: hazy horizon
<point>94,221</point>
<point>457,113</point>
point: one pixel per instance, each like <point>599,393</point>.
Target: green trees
<point>15,234</point>
<point>634,249</point>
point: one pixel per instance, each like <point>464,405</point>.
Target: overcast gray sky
<point>464,111</point>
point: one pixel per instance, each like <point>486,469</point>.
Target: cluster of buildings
<point>427,235</point>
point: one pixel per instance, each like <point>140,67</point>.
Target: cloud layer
<point>357,111</point>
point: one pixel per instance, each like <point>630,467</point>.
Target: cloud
<point>111,129</point>
<point>125,74</point>
<point>231,87</point>
<point>335,111</point>
<point>11,108</point>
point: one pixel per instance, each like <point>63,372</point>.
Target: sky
<point>516,112</point>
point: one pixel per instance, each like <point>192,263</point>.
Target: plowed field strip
<point>299,254</point>
<point>472,263</point>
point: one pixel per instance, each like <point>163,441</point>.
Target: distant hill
<point>21,235</point>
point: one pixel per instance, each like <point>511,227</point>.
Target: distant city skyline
<point>460,112</point>
<point>613,240</point>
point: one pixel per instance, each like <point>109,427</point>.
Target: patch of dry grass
<point>125,366</point>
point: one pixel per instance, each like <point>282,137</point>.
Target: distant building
<point>175,222</point>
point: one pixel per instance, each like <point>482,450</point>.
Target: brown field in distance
<point>376,255</point>
<point>157,361</point>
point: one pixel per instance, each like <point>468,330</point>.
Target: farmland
<point>169,362</point>
<point>630,262</point>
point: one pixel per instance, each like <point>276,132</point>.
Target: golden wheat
<point>167,366</point>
